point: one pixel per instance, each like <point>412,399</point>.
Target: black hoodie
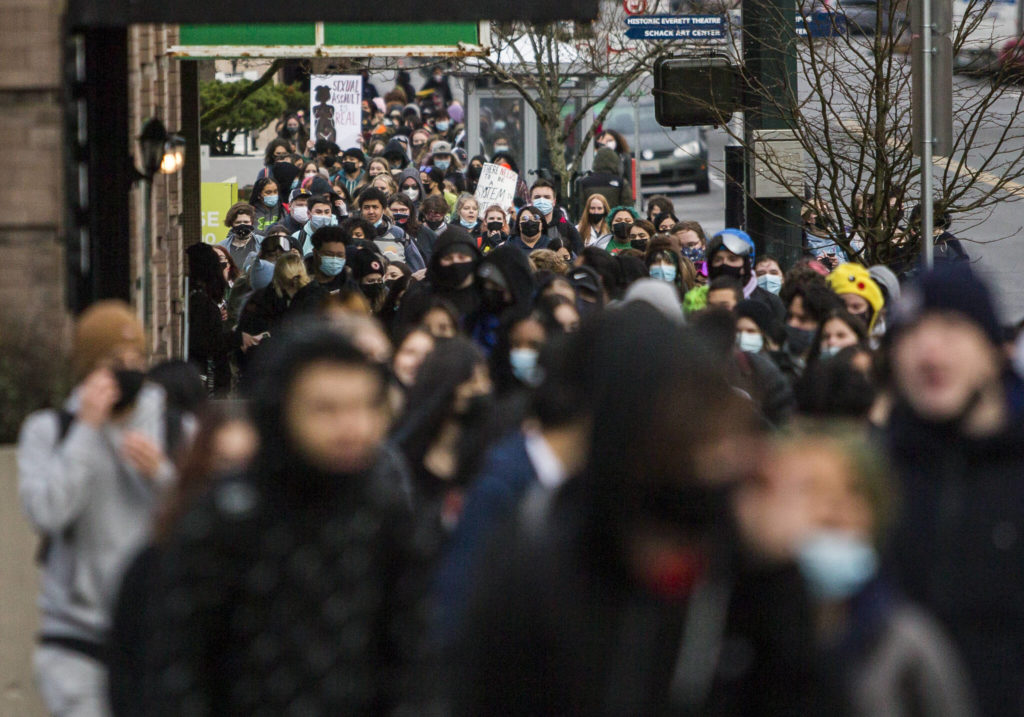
<point>290,586</point>
<point>466,300</point>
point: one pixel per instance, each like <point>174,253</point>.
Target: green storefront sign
<point>332,39</point>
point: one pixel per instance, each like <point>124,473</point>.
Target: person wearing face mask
<point>529,233</point>
<point>368,268</point>
<point>839,330</point>
<point>892,657</point>
<point>860,293</point>
<point>808,302</point>
<point>506,293</point>
<point>258,269</point>
<point>410,185</point>
<point>268,209</point>
<point>731,253</point>
<point>610,139</point>
<point>473,172</point>
<point>544,197</point>
<point>593,227</point>
<point>321,214</point>
<point>438,82</point>
<point>606,179</point>
<point>390,239</point>
<point>296,210</point>
<point>352,175</point>
<point>491,233</point>
<point>91,476</point>
<point>329,258</point>
<point>396,152</point>
<point>242,239</point>
<point>292,130</point>
<point>443,125</point>
<point>621,221</point>
<point>451,275</point>
<point>504,157</point>
<point>664,263</point>
<point>467,213</point>
<point>433,186</point>
<point>770,276</point>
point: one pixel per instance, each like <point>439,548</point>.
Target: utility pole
<point>769,56</point>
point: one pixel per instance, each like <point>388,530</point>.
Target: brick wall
<point>154,91</point>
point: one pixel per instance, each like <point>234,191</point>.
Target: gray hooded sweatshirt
<point>94,507</point>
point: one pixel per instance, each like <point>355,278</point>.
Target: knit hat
<point>364,261</point>
<point>104,329</point>
<point>887,282</point>
<point>953,288</point>
<point>261,273</point>
<point>456,113</point>
<point>658,294</point>
<point>855,279</point>
<point>760,314</point>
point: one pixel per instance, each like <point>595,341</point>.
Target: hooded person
<point>287,176</point>
<point>368,268</point>
<point>731,252</point>
<point>451,275</point>
<point>506,293</point>
<point>507,160</point>
<point>406,186</point>
<point>956,443</point>
<point>90,477</point>
<point>323,489</point>
<point>605,178</point>
<point>397,153</point>
<point>211,339</point>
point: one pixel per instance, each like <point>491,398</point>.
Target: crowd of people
<point>504,461</point>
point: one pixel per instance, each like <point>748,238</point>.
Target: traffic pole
<point>928,134</point>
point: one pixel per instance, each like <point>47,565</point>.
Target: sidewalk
<point>18,587</point>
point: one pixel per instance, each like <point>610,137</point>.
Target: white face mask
<point>412,193</point>
<point>748,342</point>
<point>770,282</point>
<point>300,214</point>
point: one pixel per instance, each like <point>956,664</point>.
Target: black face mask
<point>348,167</point>
<point>529,228</point>
<point>586,308</point>
<point>492,300</point>
<point>596,218</point>
<point>735,272</point>
<point>390,284</point>
<point>129,383</point>
<point>656,219</point>
<point>798,340</point>
<point>621,229</point>
<point>474,171</point>
<point>453,275</point>
<point>242,230</point>
<point>640,244</point>
<point>495,226</point>
<point>477,410</point>
<point>374,292</point>
<point>400,218</point>
<point>434,223</point>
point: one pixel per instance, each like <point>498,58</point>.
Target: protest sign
<point>336,108</point>
<point>497,185</point>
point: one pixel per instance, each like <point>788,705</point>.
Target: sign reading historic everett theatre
<point>336,108</point>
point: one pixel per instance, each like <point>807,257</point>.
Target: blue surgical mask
<point>300,214</point>
<point>499,125</point>
<point>770,282</point>
<point>748,342</point>
<point>544,206</point>
<point>332,265</point>
<point>663,272</point>
<point>318,222</point>
<point>836,564</point>
<point>270,200</point>
<point>693,253</point>
<point>500,148</point>
<point>442,126</point>
<point>442,164</point>
<point>828,352</point>
<point>377,223</point>
<point>467,224</point>
<point>524,365</point>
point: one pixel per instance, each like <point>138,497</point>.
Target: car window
<point>620,119</point>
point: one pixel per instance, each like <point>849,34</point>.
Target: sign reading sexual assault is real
<point>336,108</point>
<point>675,27</point>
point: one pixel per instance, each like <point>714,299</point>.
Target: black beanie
<point>951,288</point>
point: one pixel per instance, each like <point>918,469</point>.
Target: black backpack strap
<point>65,419</point>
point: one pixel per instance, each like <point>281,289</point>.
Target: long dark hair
<point>204,271</point>
<point>431,399</point>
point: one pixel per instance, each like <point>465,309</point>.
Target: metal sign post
<point>928,138</point>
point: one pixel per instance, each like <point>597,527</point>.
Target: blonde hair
<point>463,199</point>
<point>287,268</point>
<point>392,187</point>
<point>584,225</point>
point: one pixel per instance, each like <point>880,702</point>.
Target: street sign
<point>675,27</point>
<point>821,24</point>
